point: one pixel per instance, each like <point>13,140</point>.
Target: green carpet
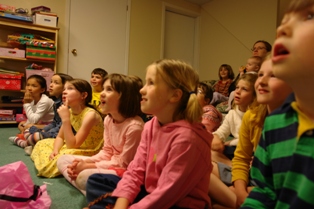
<point>61,192</point>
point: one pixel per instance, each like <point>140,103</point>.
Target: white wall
<point>230,28</point>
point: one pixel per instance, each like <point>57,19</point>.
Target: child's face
<point>34,88</point>
<point>244,94</point>
<point>109,99</point>
<point>269,89</point>
<point>201,97</point>
<point>72,95</point>
<point>251,65</point>
<point>155,94</point>
<point>223,72</point>
<point>56,86</point>
<point>294,48</point>
<point>96,80</point>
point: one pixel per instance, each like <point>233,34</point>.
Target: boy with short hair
<point>97,81</point>
<point>283,164</point>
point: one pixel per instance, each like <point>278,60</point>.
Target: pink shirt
<point>173,162</point>
<point>120,143</point>
<point>211,118</point>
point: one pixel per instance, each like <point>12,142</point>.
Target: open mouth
<point>280,50</point>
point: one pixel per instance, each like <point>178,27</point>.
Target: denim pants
<point>99,184</point>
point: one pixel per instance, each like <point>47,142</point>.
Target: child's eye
<point>310,16</point>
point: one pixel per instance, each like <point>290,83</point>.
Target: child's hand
<point>64,111</point>
<point>71,172</point>
<point>53,154</point>
<point>28,98</point>
<point>81,165</point>
<point>217,145</point>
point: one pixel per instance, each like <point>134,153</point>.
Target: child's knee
<point>81,179</point>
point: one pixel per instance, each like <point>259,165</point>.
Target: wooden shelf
<point>8,122</point>
<point>26,59</point>
<point>11,104</point>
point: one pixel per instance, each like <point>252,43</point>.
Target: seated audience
<point>271,92</point>
<point>34,134</point>
<point>162,174</point>
<point>222,147</point>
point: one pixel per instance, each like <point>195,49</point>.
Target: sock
<point>20,142</point>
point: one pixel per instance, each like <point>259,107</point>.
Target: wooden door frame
<point>67,36</point>
<point>182,11</point>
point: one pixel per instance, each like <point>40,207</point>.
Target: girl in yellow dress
<point>81,132</point>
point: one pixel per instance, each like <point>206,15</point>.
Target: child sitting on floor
<point>120,101</point>
<point>211,117</point>
<point>37,105</point>
<point>75,113</point>
<point>222,147</point>
<point>172,165</point>
<point>34,134</point>
<point>97,82</point>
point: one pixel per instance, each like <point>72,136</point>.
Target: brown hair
<point>180,75</point>
<point>230,71</point>
<point>266,44</point>
<point>208,91</point>
<point>83,86</point>
<point>298,5</point>
<point>128,88</point>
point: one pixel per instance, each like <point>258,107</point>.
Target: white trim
<point>169,7</point>
<point>127,41</point>
<point>67,34</point>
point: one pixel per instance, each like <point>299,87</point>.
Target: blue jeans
<point>99,184</point>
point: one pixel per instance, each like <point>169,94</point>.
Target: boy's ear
<point>176,95</point>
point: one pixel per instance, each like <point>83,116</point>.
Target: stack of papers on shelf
<point>10,72</point>
<point>16,16</point>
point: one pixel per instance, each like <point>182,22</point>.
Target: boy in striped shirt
<point>283,167</point>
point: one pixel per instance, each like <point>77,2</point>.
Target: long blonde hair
<point>180,75</point>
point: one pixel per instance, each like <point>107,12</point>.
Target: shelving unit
<point>7,27</point>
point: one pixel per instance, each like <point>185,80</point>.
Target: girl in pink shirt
<point>120,100</point>
<point>172,165</point>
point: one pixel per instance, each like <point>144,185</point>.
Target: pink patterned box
<point>9,52</point>
<point>10,82</point>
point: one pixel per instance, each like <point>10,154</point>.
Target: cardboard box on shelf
<point>7,8</point>
<point>7,117</point>
<point>41,52</point>
<point>7,112</point>
<point>40,9</point>
<point>10,82</point>
<point>46,74</point>
<point>46,20</point>
<point>9,52</point>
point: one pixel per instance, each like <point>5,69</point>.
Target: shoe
<point>12,139</point>
<point>28,150</point>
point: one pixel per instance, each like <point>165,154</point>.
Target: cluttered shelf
<point>26,59</point>
<point>18,104</point>
<point>26,25</point>
<point>8,122</point>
